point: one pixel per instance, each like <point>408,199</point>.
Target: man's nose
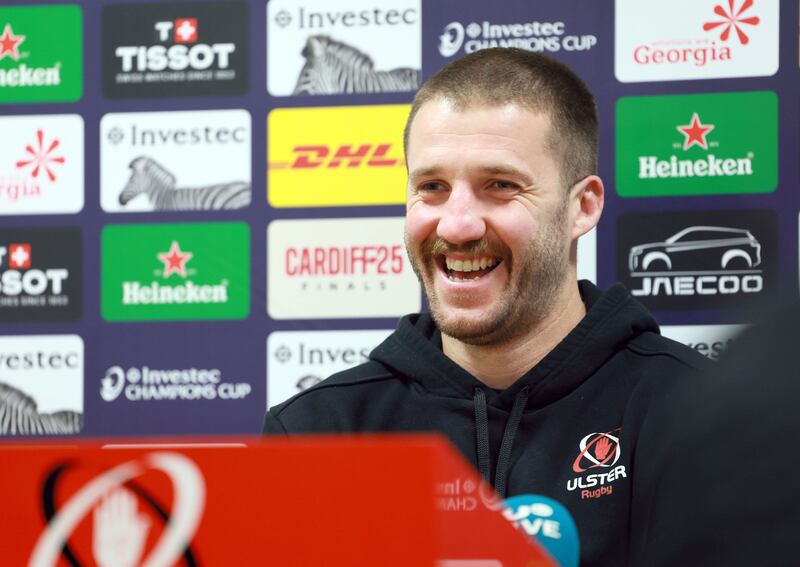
<point>462,217</point>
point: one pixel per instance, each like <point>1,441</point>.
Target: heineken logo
<point>697,144</point>
<point>9,44</point>
<point>175,272</point>
<point>41,57</point>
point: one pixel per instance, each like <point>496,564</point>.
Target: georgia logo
<point>597,450</point>
<point>120,528</point>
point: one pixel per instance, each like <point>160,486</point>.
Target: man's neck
<point>500,365</point>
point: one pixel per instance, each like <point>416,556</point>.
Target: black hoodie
<point>567,429</point>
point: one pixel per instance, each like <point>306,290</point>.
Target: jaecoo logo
<point>534,36</point>
<point>143,384</point>
<point>597,451</point>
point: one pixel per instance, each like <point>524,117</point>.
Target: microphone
<point>548,522</point>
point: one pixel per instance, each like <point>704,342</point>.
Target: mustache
<point>439,246</point>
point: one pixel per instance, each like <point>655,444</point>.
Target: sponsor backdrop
<point>202,201</point>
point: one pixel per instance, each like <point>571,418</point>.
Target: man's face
<point>486,219</point>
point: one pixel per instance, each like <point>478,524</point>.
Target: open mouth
<point>468,269</point>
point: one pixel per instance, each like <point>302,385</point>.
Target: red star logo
<point>695,133</point>
<point>9,44</point>
<point>175,260</point>
<point>732,19</point>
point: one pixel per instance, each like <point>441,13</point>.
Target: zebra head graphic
<point>152,179</point>
<point>334,67</point>
<point>20,416</point>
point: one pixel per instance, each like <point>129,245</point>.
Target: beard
<point>534,281</point>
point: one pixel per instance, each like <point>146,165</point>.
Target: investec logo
<point>339,268</point>
<point>40,53</point>
<point>340,156</point>
<point>537,36</point>
<point>696,39</point>
<point>173,271</point>
<point>698,259</point>
<point>178,48</point>
<point>697,144</point>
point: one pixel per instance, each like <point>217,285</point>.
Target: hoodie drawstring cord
<point>509,433</point>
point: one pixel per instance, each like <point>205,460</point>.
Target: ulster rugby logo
<point>120,528</point>
<point>597,450</point>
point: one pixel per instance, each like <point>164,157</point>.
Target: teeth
<point>468,265</point>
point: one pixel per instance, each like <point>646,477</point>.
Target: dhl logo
<point>336,156</point>
<point>346,155</point>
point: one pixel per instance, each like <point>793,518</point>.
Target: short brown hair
<point>499,76</point>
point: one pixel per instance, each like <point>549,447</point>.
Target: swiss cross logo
<point>733,19</point>
<point>9,43</point>
<point>41,157</point>
<point>175,260</point>
<point>695,133</point>
<point>19,256</point>
<point>186,30</point>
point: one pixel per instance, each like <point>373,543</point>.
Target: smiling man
<point>541,381</point>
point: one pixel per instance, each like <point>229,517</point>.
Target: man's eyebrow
<point>433,171</point>
<point>424,172</point>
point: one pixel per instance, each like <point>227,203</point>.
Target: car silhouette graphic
<point>698,248</point>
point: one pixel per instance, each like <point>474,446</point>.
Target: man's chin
<point>470,329</point>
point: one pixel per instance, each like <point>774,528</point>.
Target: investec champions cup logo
<point>598,451</point>
<point>175,49</point>
<point>537,36</point>
<point>41,53</point>
<point>125,507</point>
<point>697,144</point>
<point>41,164</point>
<point>696,39</point>
<point>339,156</point>
<point>146,271</point>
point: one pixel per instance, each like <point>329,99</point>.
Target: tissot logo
<point>339,268</point>
<point>296,360</point>
<point>459,38</point>
<point>695,39</point>
<point>697,144</point>
<point>341,156</point>
<point>170,272</point>
<point>175,49</point>
<point>41,384</point>
<point>164,161</point>
<point>41,58</point>
<point>40,274</point>
<point>698,259</point>
<point>41,164</point>
<point>317,47</point>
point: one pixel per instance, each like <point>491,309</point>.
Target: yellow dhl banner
<point>336,156</point>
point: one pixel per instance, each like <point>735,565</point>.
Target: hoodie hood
<point>613,318</point>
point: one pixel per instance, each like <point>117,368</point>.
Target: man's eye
<point>431,186</point>
<point>503,185</point>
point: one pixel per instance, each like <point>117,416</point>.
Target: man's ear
<point>586,205</point>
